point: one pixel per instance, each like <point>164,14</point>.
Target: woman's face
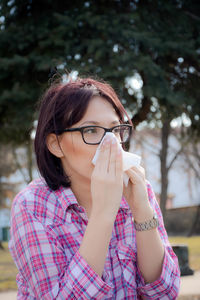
<point>77,156</point>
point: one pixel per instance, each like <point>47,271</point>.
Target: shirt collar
<point>68,199</point>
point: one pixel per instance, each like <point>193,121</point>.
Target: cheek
<point>78,151</point>
<point>84,154</point>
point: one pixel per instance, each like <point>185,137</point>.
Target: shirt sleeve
<point>43,266</point>
<point>167,286</point>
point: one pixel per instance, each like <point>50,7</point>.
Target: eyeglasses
<point>93,135</point>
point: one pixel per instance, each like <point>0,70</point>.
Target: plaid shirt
<point>47,228</point>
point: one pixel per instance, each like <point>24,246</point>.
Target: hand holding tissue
<point>129,159</point>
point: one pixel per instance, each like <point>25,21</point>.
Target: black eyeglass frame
<point>80,129</point>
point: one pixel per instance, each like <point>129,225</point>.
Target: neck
<point>82,192</point>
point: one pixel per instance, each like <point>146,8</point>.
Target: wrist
<point>102,217</point>
<point>143,214</point>
<point>147,225</point>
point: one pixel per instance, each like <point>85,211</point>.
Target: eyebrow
<point>98,123</point>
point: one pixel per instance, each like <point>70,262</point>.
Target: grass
<point>193,244</point>
<point>8,270</point>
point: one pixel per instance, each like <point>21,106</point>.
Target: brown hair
<point>62,106</point>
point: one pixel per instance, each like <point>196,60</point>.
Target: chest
<point>70,234</point>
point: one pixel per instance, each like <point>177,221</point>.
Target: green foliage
<point>109,39</point>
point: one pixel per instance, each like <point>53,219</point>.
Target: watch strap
<point>147,225</point>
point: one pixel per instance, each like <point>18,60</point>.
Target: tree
<point>159,40</point>
<point>7,167</point>
<point>191,154</point>
<point>24,161</point>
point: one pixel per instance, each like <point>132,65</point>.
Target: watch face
<point>156,220</point>
<point>155,217</point>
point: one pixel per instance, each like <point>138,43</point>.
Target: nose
<point>110,135</point>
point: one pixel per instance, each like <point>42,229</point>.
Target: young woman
<point>78,232</point>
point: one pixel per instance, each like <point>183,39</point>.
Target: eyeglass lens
<point>94,135</point>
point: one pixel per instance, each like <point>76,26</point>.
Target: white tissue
<point>129,159</point>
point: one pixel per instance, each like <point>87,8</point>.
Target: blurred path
<point>190,286</point>
<point>10,295</point>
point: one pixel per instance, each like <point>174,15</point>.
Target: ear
<point>53,145</point>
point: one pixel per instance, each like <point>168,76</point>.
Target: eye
<point>90,130</point>
<point>117,130</point>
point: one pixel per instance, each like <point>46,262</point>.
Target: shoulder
<point>152,198</point>
<point>153,201</point>
<point>35,190</point>
<point>150,191</point>
<point>38,200</point>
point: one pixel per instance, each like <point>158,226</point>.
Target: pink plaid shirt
<point>47,228</point>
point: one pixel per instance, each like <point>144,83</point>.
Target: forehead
<point>99,111</point>
<point>99,104</point>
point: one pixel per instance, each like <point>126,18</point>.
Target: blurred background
<point>149,51</point>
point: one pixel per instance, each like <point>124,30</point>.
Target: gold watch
<point>147,225</point>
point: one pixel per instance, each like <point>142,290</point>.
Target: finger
<point>119,163</point>
<point>112,162</point>
<point>104,155</point>
<point>134,176</point>
<point>140,170</point>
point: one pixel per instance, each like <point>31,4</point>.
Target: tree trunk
<point>165,132</point>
